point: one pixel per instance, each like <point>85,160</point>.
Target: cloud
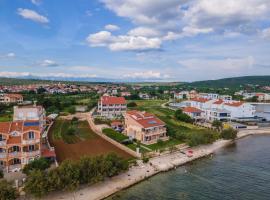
<point>48,63</point>
<point>88,13</point>
<point>32,15</point>
<point>41,75</point>
<point>144,31</point>
<point>150,75</point>
<point>36,2</point>
<point>266,33</point>
<point>8,55</point>
<point>111,27</point>
<point>123,42</point>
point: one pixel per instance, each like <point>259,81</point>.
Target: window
<point>31,135</point>
<point>31,147</point>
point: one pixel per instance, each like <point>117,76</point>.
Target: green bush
<point>217,124</point>
<point>131,104</point>
<point>119,137</point>
<point>145,159</point>
<point>179,115</point>
<point>228,134</point>
<point>7,192</point>
<point>37,164</point>
<point>203,137</point>
<point>68,176</point>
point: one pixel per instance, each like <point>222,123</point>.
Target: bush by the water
<point>70,174</point>
<point>228,134</point>
<point>7,192</point>
<point>202,137</point>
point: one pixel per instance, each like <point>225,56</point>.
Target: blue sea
<point>238,172</point>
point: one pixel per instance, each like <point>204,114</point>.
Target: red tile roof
<point>14,140</point>
<point>4,127</point>
<point>47,153</point>
<point>220,101</point>
<point>235,104</point>
<point>201,100</point>
<point>192,110</point>
<point>146,120</point>
<point>113,100</point>
<point>18,96</point>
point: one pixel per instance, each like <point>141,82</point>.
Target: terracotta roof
<point>16,126</point>
<point>4,127</point>
<point>116,123</point>
<point>146,120</point>
<point>192,110</point>
<point>235,104</point>
<point>19,96</point>
<point>113,100</point>
<point>14,140</point>
<point>201,100</point>
<point>220,101</point>
<point>47,153</point>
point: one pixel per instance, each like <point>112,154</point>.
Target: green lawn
<point>5,117</point>
<point>119,137</point>
<point>82,131</point>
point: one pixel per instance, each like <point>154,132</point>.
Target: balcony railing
<point>14,154</point>
<point>3,155</point>
<point>3,143</point>
<point>31,153</point>
<point>31,141</point>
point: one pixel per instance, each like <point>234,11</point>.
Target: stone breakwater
<point>143,171</point>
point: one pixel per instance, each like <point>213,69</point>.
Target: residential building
<point>263,96</point>
<point>30,113</point>
<point>11,98</point>
<point>193,112</point>
<point>145,127</point>
<point>112,107</point>
<point>144,96</point>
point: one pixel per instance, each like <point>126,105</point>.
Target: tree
<point>7,192</point>
<point>71,131</point>
<point>37,164</point>
<point>72,110</point>
<point>179,115</point>
<point>217,124</point>
<point>1,174</point>
<point>203,137</point>
<point>131,104</point>
<point>37,183</point>
<point>228,134</point>
<point>69,175</point>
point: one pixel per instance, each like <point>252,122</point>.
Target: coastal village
<point>152,133</point>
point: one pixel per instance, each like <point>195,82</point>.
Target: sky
<point>146,40</point>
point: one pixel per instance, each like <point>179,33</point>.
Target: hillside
<point>233,82</point>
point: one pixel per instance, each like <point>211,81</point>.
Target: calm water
<point>238,172</point>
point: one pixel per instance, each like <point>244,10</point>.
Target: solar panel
<point>152,122</point>
<point>31,124</point>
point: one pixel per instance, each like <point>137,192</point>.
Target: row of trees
<point>70,174</point>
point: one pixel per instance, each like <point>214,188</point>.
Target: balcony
<point>32,141</point>
<point>3,143</point>
<point>14,154</point>
<point>3,155</point>
<point>31,153</point>
<point>14,168</point>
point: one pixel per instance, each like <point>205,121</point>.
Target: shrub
<point>145,159</point>
<point>72,110</point>
<point>71,131</point>
<point>228,134</point>
<point>217,124</point>
<point>7,192</point>
<point>203,137</point>
<point>37,164</point>
<point>179,115</point>
<point>1,174</point>
<point>132,104</point>
<point>37,183</point>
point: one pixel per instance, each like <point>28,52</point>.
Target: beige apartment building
<point>144,127</point>
<point>112,107</point>
<point>11,98</point>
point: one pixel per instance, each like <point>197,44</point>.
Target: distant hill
<point>233,82</point>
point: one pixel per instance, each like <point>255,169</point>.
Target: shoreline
<point>156,165</point>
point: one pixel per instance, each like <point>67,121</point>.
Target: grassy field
<point>5,117</point>
<point>82,131</point>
